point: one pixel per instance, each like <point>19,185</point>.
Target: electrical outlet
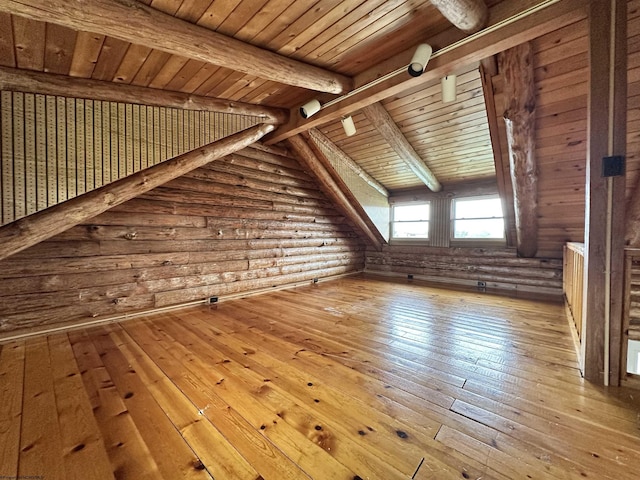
<point>410,276</point>
<point>613,166</point>
<point>213,299</point>
<point>482,284</point>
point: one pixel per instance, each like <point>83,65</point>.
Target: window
<point>410,221</point>
<point>633,357</point>
<point>477,218</point>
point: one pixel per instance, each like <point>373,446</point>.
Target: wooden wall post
<point>606,136</point>
<point>516,67</point>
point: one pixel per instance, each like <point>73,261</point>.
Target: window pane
<point>493,228</point>
<point>407,213</point>
<point>479,208</point>
<point>411,230</point>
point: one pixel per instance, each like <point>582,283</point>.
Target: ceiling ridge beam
<point>16,80</point>
<point>139,24</point>
<point>383,122</point>
<point>28,231</point>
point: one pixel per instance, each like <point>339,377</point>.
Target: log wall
<point>248,221</point>
<point>499,269</point>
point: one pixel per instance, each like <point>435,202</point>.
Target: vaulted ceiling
<point>355,40</point>
<point>283,53</point>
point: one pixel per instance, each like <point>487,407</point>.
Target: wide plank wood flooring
<point>356,378</point>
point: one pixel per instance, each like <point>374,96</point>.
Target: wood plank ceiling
<point>344,36</point>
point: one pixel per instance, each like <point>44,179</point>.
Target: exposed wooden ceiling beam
<point>28,231</point>
<point>12,79</point>
<point>135,22</point>
<point>495,40</point>
<point>516,67</point>
<point>308,158</point>
<point>382,121</point>
<point>468,15</point>
<point>321,139</point>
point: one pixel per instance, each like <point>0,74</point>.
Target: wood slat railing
<point>631,313</point>
<point>632,292</point>
<point>573,283</point>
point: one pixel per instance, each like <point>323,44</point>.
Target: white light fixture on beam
<point>417,66</point>
<point>442,51</point>
<point>419,60</point>
<point>448,84</point>
<point>348,126</point>
<point>310,108</point>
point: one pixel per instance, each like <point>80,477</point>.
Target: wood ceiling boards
<point>351,38</point>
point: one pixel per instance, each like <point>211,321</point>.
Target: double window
<point>441,220</point>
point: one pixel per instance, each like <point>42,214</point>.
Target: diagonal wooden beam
<point>382,121</point>
<point>488,69</point>
<point>28,231</point>
<point>516,67</point>
<point>135,22</point>
<point>307,156</point>
<point>12,79</point>
<point>513,29</point>
<point>468,15</point>
<point>321,139</point>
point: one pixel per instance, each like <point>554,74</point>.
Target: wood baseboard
<point>503,288</point>
<point>66,326</point>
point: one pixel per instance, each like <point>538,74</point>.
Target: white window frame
<point>410,240</point>
<point>475,240</point>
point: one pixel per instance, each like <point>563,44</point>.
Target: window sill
<point>410,241</point>
<point>478,242</point>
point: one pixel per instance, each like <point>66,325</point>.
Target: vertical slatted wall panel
<point>440,208</point>
<point>55,148</point>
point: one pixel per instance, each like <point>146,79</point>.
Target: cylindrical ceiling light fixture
<point>420,59</point>
<point>448,88</point>
<point>310,108</point>
<point>349,126</point>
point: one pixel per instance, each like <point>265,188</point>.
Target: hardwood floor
<point>356,378</point>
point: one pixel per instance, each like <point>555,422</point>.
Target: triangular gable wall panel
<point>54,148</point>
